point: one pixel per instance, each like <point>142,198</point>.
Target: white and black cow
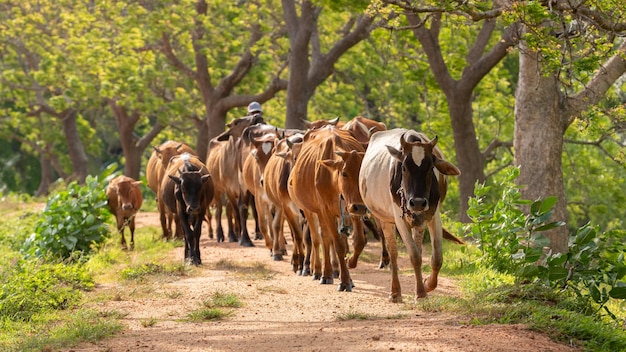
<point>403,183</point>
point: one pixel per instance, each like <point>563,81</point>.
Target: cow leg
<point>208,218</point>
<point>340,245</point>
<point>265,222</point>
<point>413,238</point>
<point>195,240</point>
<point>219,207</point>
<point>258,233</point>
<point>436,259</point>
<point>131,225</point>
<point>359,240</point>
<point>316,242</point>
<point>276,228</point>
<point>234,221</point>
<point>120,229</point>
<point>377,233</point>
<point>328,270</point>
<point>389,231</point>
<point>241,215</point>
<point>295,225</point>
<point>308,245</point>
<point>163,214</point>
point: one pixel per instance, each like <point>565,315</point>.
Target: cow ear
<point>342,154</point>
<point>282,155</point>
<point>137,183</point>
<point>446,167</point>
<point>175,179</point>
<point>331,164</point>
<point>395,153</point>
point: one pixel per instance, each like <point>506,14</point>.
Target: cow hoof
<point>232,238</point>
<point>306,272</point>
<point>395,299</point>
<point>326,281</point>
<point>336,274</point>
<point>383,264</point>
<point>258,236</point>
<point>298,272</point>
<point>317,276</point>
<point>345,287</point>
<point>246,244</point>
<point>278,257</point>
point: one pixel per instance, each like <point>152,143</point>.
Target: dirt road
<point>285,312</point>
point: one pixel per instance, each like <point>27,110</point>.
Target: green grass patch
<point>354,315</point>
<point>50,331</point>
<point>218,306</point>
<point>207,314</point>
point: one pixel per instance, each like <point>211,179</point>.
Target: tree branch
<point>166,49</point>
<point>597,87</point>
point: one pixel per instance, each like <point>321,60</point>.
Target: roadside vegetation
<point>505,275</point>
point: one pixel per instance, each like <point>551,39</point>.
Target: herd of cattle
<point>328,181</point>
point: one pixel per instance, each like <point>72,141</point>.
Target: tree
<point>219,59</point>
<point>309,65</point>
<point>569,58</point>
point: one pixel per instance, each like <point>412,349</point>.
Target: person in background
<point>254,108</point>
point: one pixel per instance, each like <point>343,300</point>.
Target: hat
<point>254,107</point>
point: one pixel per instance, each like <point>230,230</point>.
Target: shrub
<point>74,220</point>
<point>31,288</point>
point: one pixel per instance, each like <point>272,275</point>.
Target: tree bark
<point>46,176</point>
<point>76,149</point>
<point>542,114</point>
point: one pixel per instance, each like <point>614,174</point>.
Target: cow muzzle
<point>127,206</point>
<point>417,204</point>
<point>357,209</point>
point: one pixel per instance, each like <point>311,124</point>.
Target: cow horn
<point>434,141</point>
<point>334,121</point>
<point>306,123</point>
<point>403,142</point>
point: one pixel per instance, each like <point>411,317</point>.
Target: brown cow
<point>157,164</point>
<point>260,150</point>
<point>323,179</point>
<point>403,183</point>
<point>124,198</point>
<point>187,191</point>
<point>276,173</point>
<point>223,162</point>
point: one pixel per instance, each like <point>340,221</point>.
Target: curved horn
<point>334,121</point>
<point>403,142</point>
<point>306,123</point>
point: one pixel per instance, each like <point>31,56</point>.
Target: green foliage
<point>594,267</point>
<point>30,288</point>
<point>74,220</point>
<point>508,238</point>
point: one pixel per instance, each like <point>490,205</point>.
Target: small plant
<point>138,273</point>
<point>207,314</point>
<point>73,222</point>
<point>221,299</point>
<point>146,323</point>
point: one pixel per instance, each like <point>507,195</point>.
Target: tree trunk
<point>46,176</point>
<point>469,158</point>
<point>76,149</point>
<point>538,140</point>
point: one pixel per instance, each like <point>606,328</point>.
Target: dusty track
<point>285,312</point>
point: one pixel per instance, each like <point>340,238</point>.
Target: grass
<point>213,308</point>
<point>354,315</point>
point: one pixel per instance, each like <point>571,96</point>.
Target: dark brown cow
<point>223,162</point>
<point>187,191</point>
<point>157,164</point>
<point>124,197</point>
<point>323,179</point>
<point>403,183</point>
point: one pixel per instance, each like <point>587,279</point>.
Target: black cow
<point>187,191</point>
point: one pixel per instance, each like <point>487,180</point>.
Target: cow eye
<point>344,174</point>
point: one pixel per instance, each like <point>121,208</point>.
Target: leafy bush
<point>508,238</point>
<point>31,288</point>
<point>594,267</point>
<point>73,221</point>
